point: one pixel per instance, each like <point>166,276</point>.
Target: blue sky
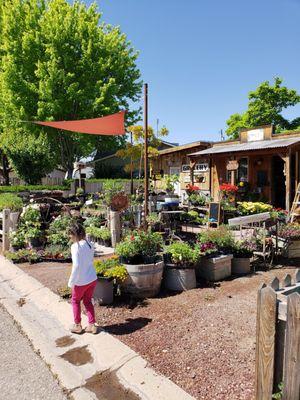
<point>201,58</point>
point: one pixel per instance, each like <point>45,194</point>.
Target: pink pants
<point>85,294</point>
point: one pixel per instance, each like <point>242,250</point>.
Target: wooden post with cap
<point>146,177</point>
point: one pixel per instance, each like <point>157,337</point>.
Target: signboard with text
<point>203,167</point>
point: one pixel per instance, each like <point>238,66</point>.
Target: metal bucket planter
<point>240,266</point>
<point>144,280</point>
<point>104,291</point>
<point>179,279</point>
<point>214,268</point>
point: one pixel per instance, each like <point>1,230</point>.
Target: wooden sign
<point>232,165</point>
<point>214,213</point>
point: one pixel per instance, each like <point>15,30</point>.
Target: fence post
<point>115,227</point>
<point>291,375</point>
<point>5,229</point>
<point>265,343</point>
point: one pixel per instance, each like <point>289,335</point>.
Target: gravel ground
<point>203,339</point>
<point>23,375</point>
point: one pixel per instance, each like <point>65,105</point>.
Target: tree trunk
<point>5,169</point>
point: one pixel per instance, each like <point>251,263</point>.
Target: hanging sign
<point>255,135</point>
<point>232,165</point>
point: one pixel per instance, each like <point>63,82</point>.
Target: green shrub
<point>11,201</point>
<point>139,247</point>
<point>17,238</point>
<point>31,216</point>
<point>181,254</point>
<point>93,221</point>
<point>23,255</point>
<point>220,237</point>
<point>26,188</point>
<point>99,233</point>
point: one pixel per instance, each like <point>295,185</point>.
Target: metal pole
<point>146,149</point>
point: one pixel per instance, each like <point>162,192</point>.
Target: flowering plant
<point>191,189</point>
<point>290,231</point>
<point>111,269</point>
<point>208,249</point>
<point>228,188</point>
<point>244,248</point>
<point>248,207</point>
<point>139,247</point>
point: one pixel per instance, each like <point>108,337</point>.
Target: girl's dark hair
<point>77,230</point>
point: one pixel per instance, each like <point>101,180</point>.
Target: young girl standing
<point>83,279</point>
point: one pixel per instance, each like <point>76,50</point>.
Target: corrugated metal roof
<point>259,145</point>
<point>184,147</point>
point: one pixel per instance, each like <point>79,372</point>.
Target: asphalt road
<point>23,374</point>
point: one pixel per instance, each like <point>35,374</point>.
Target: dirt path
<point>203,339</point>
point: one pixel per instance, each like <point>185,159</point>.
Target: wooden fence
<point>278,339</point>
<point>6,224</point>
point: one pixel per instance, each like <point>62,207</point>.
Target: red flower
<point>132,238</point>
<point>228,188</point>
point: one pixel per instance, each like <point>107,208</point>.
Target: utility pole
<point>131,167</point>
<point>146,150</point>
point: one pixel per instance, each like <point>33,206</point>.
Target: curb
<point>44,318</point>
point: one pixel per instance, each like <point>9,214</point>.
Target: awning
<point>250,146</point>
<point>110,125</point>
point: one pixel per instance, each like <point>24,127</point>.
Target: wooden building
<point>175,161</point>
<point>266,163</point>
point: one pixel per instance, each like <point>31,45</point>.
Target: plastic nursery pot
<point>104,291</point>
<point>34,243</point>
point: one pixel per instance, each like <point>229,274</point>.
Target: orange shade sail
<point>110,125</point>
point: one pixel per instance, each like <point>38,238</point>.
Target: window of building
<point>242,172</point>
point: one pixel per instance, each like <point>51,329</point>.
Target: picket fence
<point>278,339</point>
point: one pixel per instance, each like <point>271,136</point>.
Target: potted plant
<point>154,222</point>
<point>215,247</point>
<point>17,240</point>
<point>138,251</point>
<point>33,236</point>
<point>110,273</point>
<point>180,260</point>
<point>22,256</point>
<point>242,252</point>
<point>56,252</point>
<point>289,235</point>
<point>170,183</point>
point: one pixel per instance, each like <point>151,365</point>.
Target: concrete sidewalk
<point>88,366</point>
<point>23,375</point>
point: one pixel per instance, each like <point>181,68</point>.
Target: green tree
<point>265,106</point>
<point>134,152</point>
<point>61,62</point>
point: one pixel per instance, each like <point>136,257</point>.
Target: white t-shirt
<point>83,271</point>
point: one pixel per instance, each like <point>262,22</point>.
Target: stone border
<point>44,318</point>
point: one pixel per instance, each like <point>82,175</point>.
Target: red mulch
<point>203,339</point>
